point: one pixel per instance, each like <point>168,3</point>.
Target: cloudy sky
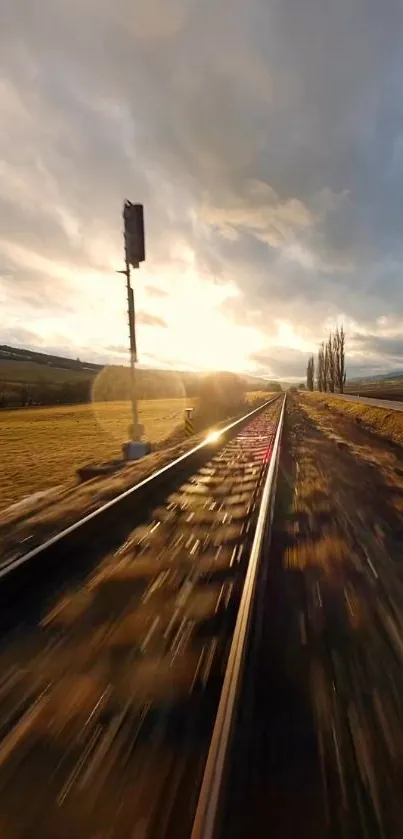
<point>265,139</point>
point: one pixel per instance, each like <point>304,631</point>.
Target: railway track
<point>118,704</point>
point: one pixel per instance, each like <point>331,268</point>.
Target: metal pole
<point>133,353</point>
<point>133,219</point>
<point>137,429</point>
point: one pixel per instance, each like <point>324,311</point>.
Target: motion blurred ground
<point>38,443</point>
<point>344,566</point>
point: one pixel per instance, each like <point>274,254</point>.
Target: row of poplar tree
<point>330,364</point>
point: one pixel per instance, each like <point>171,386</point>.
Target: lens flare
<point>213,437</point>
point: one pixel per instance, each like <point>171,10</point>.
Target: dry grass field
<point>43,447</point>
<point>378,389</point>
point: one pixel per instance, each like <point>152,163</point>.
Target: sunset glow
<point>263,222</point>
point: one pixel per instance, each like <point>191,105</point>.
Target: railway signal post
<point>133,220</point>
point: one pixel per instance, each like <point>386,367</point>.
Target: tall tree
<point>340,357</point>
<point>326,367</point>
<point>331,363</point>
<point>320,368</point>
<point>310,373</point>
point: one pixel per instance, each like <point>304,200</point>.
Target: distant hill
<point>15,354</point>
<point>32,378</point>
<point>380,377</point>
<point>383,386</point>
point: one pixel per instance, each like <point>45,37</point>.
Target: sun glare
<point>199,333</point>
<point>213,437</point>
<point>189,325</point>
<point>287,337</point>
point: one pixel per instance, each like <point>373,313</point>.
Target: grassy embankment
<point>382,421</point>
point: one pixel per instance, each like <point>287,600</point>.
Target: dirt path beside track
<point>344,562</point>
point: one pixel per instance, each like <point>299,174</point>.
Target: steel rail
<point>207,816</point>
<point>96,515</point>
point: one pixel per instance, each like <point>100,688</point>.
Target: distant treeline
<point>113,384</point>
<point>110,384</point>
<point>29,394</point>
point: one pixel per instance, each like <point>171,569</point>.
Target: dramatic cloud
<point>282,363</point>
<point>265,139</point>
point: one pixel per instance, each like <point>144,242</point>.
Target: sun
<point>191,325</point>
<point>198,330</point>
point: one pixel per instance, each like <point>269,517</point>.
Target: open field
<point>39,518</point>
<point>380,389</point>
<point>43,447</point>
